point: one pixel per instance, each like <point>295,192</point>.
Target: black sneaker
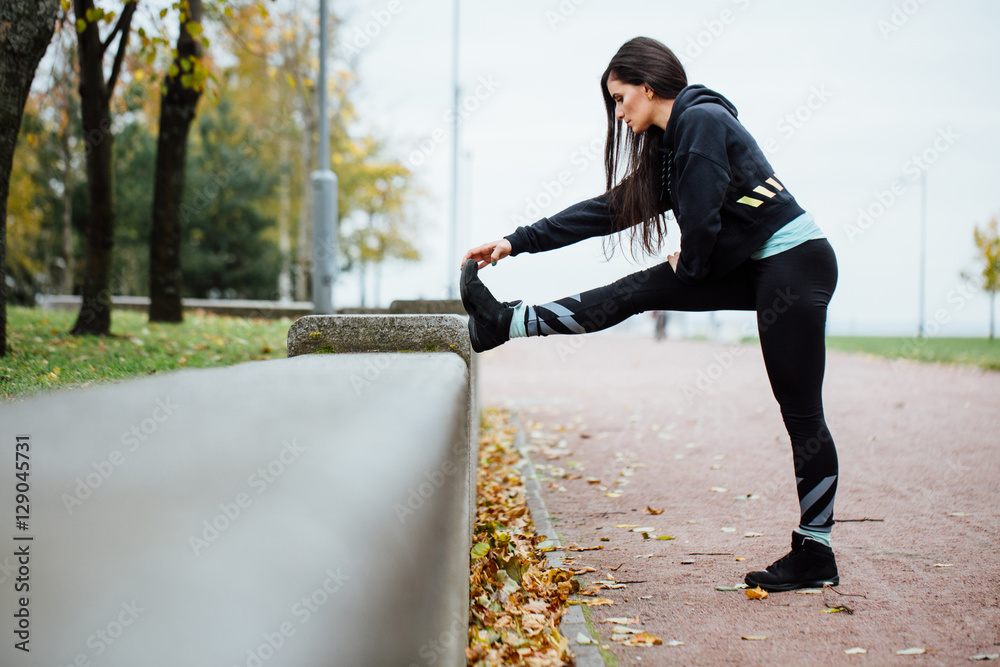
<point>487,335</point>
<point>477,299</point>
<point>489,319</point>
<point>810,564</point>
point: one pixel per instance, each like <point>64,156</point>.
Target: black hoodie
<point>726,198</point>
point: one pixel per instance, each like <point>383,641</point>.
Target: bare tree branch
<point>118,26</point>
<point>125,23</point>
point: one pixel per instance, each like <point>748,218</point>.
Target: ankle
<point>823,537</point>
<point>517,322</point>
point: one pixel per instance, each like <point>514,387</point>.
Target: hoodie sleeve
<point>703,179</point>
<point>704,183</point>
<point>583,220</point>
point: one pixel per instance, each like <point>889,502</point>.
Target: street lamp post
<point>453,241</point>
<point>324,259</point>
<point>923,251</point>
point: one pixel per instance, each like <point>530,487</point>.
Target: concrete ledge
<point>268,513</point>
<point>427,306</point>
<point>380,333</point>
<point>390,335</point>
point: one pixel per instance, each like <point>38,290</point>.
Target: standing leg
<point>793,291</point>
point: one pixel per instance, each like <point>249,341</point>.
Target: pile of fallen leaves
<point>516,599</point>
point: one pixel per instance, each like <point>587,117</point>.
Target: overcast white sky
<point>842,96</point>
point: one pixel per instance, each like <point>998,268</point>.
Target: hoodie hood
<point>690,96</point>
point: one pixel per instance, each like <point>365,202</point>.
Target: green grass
<point>607,656</point>
<point>980,352</point>
<point>43,356</point>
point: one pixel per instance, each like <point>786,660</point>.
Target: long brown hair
<point>635,199</point>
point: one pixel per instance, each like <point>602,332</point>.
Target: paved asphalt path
<point>665,423</point>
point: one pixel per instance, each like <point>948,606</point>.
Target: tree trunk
<point>26,28</point>
<point>363,281</point>
<point>177,110</point>
<point>95,105</point>
<point>993,296</point>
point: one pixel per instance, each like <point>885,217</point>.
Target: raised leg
<point>655,288</point>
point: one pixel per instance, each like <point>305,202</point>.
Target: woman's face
<point>632,104</point>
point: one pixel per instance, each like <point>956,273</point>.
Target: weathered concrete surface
<point>919,448</point>
<point>427,306</point>
<point>271,513</point>
<point>380,333</point>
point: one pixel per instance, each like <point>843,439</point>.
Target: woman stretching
<point>746,244</point>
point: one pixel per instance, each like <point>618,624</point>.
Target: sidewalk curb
<point>573,622</point>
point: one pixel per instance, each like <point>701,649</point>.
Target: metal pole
<point>923,248</point>
<point>453,241</point>
<point>324,192</point>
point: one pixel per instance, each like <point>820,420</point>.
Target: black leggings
<point>790,292</point>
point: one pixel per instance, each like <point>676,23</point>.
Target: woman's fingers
<point>488,253</point>
<point>480,254</point>
<point>502,249</point>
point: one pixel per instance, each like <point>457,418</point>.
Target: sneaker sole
<point>778,588</point>
<point>469,271</point>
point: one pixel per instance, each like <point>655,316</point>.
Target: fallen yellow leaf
<point>653,511</point>
<point>599,602</point>
<point>756,594</point>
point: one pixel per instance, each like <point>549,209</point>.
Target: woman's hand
<point>673,260</point>
<point>488,253</point>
